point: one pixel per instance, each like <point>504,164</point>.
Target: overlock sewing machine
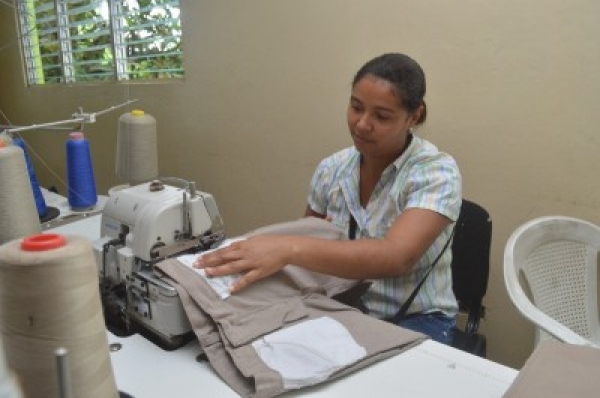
<point>142,225</point>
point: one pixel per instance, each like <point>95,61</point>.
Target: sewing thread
<point>49,298</point>
<point>137,153</point>
<point>18,213</point>
<point>80,173</point>
<point>40,202</point>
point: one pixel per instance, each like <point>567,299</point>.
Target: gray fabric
<point>558,370</point>
<point>226,328</point>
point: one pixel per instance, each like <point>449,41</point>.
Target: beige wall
<point>513,94</point>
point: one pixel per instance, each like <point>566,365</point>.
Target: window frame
<point>123,68</point>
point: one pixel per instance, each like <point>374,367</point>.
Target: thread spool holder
<point>9,133</point>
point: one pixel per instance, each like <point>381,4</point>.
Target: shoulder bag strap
<point>402,311</point>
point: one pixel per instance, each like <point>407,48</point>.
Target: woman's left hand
<point>256,258</point>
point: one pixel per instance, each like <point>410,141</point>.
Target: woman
<point>393,190</point>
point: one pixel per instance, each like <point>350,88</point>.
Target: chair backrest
<point>557,257</point>
<point>471,256</point>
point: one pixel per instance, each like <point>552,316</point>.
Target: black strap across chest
<point>401,314</point>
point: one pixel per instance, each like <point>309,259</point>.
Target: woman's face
<point>378,123</point>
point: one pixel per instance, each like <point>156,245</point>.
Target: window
<point>67,41</point>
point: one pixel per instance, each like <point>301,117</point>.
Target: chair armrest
<point>535,315</point>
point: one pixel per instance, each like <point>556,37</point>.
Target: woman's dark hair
<point>404,73</point>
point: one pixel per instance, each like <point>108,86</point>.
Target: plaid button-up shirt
<point>422,177</point>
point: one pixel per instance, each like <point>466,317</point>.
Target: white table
<point>430,370</point>
<point>68,215</point>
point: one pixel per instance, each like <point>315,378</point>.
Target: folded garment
<point>248,336</point>
<point>558,370</point>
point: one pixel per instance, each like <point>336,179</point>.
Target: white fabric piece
<point>309,352</point>
<point>220,284</point>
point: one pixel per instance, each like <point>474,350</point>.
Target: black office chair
<point>470,272</point>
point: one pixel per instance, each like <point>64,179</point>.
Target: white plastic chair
<point>558,259</point>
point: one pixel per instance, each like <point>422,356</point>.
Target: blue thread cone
<point>40,203</point>
<point>80,174</point>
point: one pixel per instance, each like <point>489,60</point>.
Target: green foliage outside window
<point>101,40</point>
